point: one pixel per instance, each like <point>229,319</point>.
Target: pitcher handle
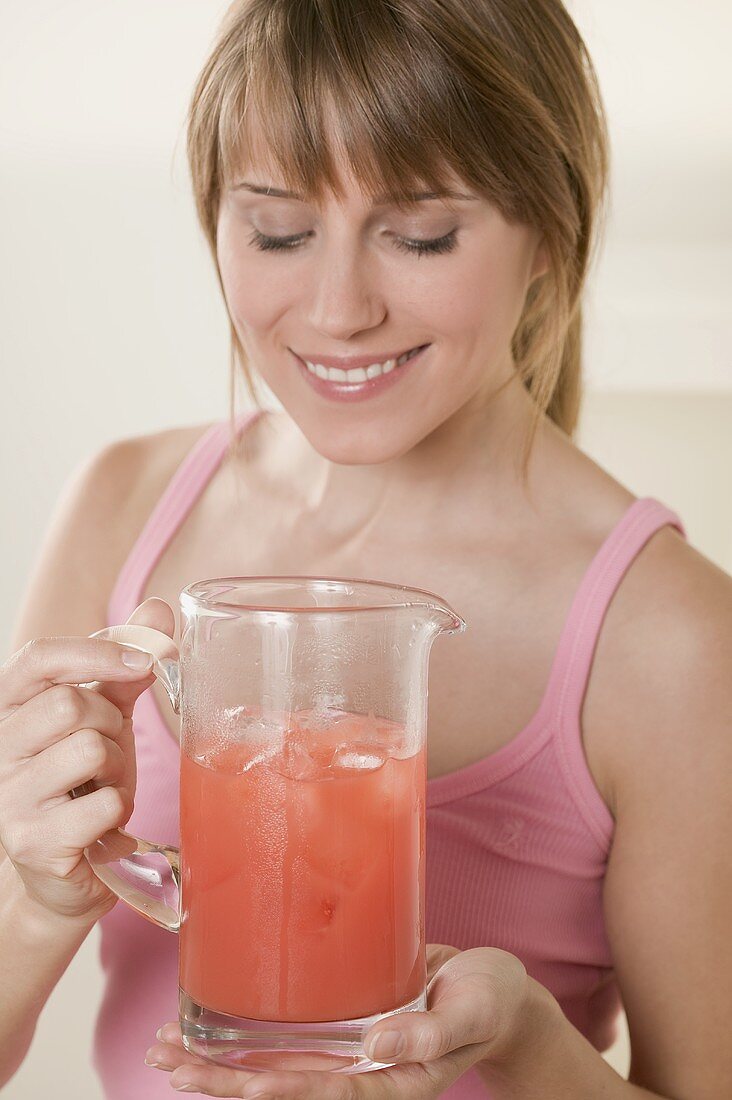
<point>146,876</point>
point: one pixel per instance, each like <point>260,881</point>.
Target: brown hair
<point>501,92</point>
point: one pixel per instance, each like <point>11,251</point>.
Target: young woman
<point>378,179</point>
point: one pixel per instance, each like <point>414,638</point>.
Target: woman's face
<point>351,283</point>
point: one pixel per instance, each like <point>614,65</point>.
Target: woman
<point>378,179</point>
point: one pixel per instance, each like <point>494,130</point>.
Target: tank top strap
<point>176,501</point>
<point>575,653</point>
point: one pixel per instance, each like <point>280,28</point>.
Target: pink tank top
<point>517,843</point>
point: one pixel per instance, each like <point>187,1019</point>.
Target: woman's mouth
<point>361,382</point>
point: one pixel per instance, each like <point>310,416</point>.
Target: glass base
<point>234,1041</point>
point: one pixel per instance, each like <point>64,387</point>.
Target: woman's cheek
<point>257,291</point>
<point>457,297</point>
<point>487,297</point>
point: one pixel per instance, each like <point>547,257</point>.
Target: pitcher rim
<point>189,595</point>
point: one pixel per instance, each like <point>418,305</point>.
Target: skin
<point>421,486</point>
<point>368,467</point>
<point>349,289</point>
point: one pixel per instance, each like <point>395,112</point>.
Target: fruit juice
<point>303,871</point>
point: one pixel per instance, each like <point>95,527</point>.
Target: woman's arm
<point>667,725</point>
<point>36,946</point>
<point>65,595</point>
<point>668,893</point>
<point>550,1060</point>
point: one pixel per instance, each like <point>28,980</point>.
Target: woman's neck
<point>474,456</point>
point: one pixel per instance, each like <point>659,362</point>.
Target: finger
<point>437,956</point>
<point>170,1033</point>
<point>464,1009</point>
<point>159,615</point>
<point>72,825</point>
<point>60,660</point>
<point>408,1082</point>
<point>213,1080</point>
<point>171,1055</point>
<point>52,715</point>
<point>83,756</point>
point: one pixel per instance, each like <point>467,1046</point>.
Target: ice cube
<point>322,716</point>
<point>358,757</point>
<point>294,761</point>
<point>235,712</point>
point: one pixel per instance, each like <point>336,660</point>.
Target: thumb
<point>474,1001</point>
<point>159,615</point>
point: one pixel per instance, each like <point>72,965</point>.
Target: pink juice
<point>303,873</point>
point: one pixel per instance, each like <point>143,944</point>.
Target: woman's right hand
<point>55,736</point>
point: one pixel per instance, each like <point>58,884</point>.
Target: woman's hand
<point>475,1002</point>
<point>55,736</point>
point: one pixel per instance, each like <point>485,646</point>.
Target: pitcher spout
<point>443,618</point>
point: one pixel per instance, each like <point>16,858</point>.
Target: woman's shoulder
<point>160,452</point>
<point>656,730</point>
<point>660,687</point>
<point>114,491</point>
<point>96,519</point>
<point>117,487</point>
<point>659,673</point>
<point>138,468</point>
<point>135,472</point>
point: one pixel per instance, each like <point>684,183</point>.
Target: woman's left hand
<point>475,1003</point>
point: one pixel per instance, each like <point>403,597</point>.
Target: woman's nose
<point>344,295</point>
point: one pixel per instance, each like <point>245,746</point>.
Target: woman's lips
<point>358,391</point>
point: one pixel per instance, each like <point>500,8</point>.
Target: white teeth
<point>335,374</point>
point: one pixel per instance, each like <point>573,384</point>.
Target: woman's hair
<point>501,93</point>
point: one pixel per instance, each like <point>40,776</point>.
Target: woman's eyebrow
<point>378,200</point>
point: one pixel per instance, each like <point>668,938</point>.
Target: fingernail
<point>389,1044</point>
<point>185,1088</point>
<point>159,1033</point>
<point>135,658</point>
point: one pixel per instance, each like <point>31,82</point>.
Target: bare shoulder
<point>121,485</point>
<point>659,689</point>
<point>659,693</point>
<point>657,724</point>
<point>138,468</point>
<point>96,520</point>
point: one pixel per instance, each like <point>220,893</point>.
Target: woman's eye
<point>276,244</point>
<point>422,248</point>
<point>415,247</point>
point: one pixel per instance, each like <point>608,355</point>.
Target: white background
<point>111,323</point>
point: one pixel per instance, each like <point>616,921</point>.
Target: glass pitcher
<point>298,888</point>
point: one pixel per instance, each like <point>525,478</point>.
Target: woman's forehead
<point>255,160</point>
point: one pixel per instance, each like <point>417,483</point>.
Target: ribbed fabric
<point>517,843</point>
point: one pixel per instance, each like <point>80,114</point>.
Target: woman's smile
<point>359,383</point>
